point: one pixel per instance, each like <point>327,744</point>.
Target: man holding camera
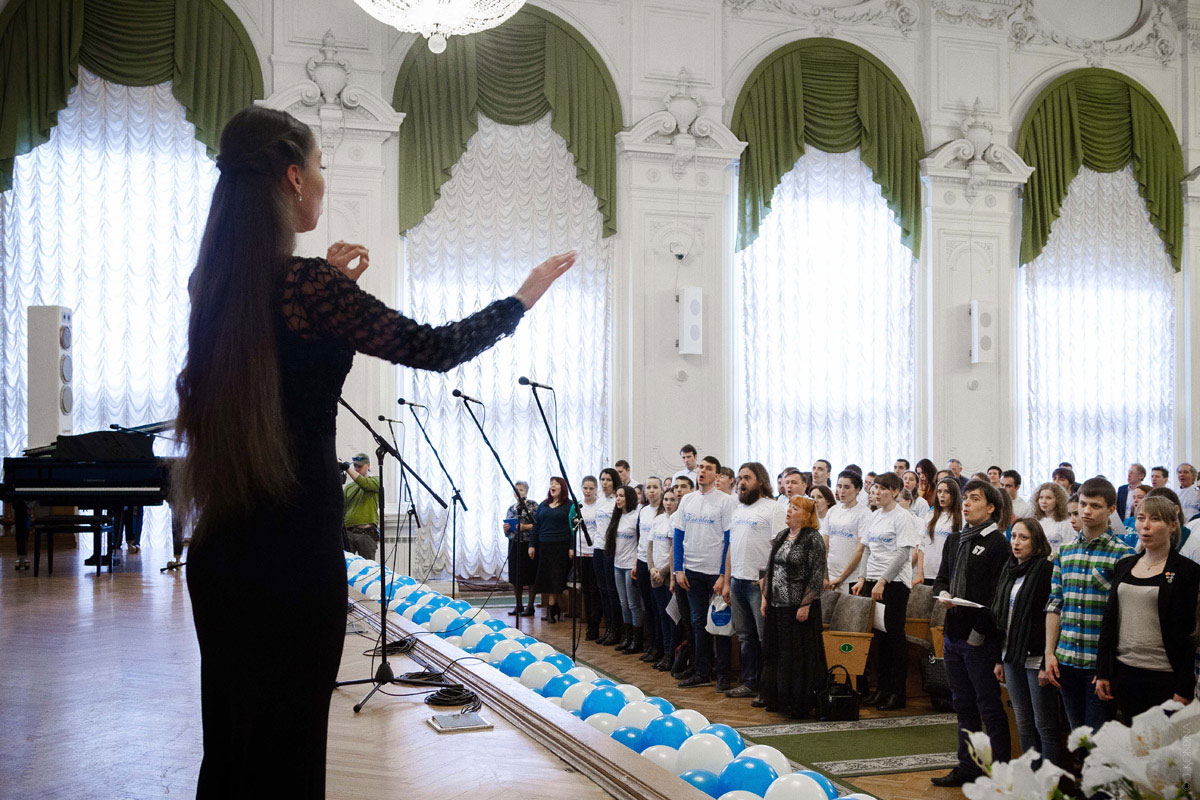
<point>362,507</point>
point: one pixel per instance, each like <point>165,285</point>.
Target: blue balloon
<point>486,643</point>
<point>628,736</point>
<point>560,660</point>
<point>413,597</point>
<point>495,624</point>
<point>557,685</point>
<point>577,712</point>
<point>525,641</point>
<point>663,704</point>
<point>423,614</point>
<point>668,730</point>
<point>603,682</point>
<point>461,606</point>
<point>748,774</point>
<point>703,780</point>
<point>438,602</point>
<point>405,580</point>
<point>458,625</point>
<point>830,790</point>
<point>727,735</point>
<point>603,699</point>
<point>515,663</point>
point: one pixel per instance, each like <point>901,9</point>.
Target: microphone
<point>526,382</point>
<point>404,402</point>
<point>466,397</point>
<point>382,418</point>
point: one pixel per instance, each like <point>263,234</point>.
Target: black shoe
<point>759,702</point>
<point>592,634</point>
<point>892,702</point>
<point>684,674</point>
<point>722,685</point>
<point>873,699</point>
<point>663,664</point>
<point>528,612</point>
<point>651,656</point>
<point>741,691</point>
<point>516,612</point>
<point>953,779</point>
<point>626,638</point>
<point>636,642</point>
<point>693,682</point>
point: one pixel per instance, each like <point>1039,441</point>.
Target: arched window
<point>825,277</point>
<point>1102,233</point>
<point>534,177</point>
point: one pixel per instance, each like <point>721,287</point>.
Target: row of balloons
<point>712,757</point>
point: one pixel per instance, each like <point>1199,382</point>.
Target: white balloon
<point>704,751</point>
<point>404,591</point>
<point>663,755</point>
<point>442,618</point>
<point>556,700</point>
<point>740,794</point>
<point>573,697</point>
<point>473,634</point>
<point>540,650</point>
<point>536,674</point>
<point>428,626</point>
<point>638,714</point>
<point>372,590</point>
<point>694,719</point>
<point>423,599</point>
<point>456,641</point>
<point>479,615</point>
<point>632,693</point>
<point>512,633</point>
<point>408,612</point>
<point>603,722</point>
<point>502,649</point>
<point>583,674</point>
<point>425,587</point>
<point>764,752</point>
<point>858,796</point>
<point>795,786</point>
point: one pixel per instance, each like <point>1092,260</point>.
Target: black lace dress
<point>269,591</point>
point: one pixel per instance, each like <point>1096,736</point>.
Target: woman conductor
<point>270,341</point>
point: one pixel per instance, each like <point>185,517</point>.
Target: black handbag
<point>935,683</point>
<point>839,702</point>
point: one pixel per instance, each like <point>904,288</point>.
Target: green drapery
<point>1102,120</point>
<point>199,45</point>
<point>835,97</point>
<point>514,74</point>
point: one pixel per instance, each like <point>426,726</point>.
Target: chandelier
<point>437,19</point>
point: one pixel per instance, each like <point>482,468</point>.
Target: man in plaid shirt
<point>1079,591</point>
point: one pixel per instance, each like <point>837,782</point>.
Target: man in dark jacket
<point>971,565</point>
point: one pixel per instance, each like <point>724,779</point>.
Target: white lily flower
<point>1150,730</point>
<point>1017,780</point>
<point>980,747</point>
<point>1080,737</point>
<point>1164,770</point>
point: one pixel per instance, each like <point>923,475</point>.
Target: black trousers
<point>1137,690</point>
<point>593,605</point>
<point>522,570</point>
<point>891,647</point>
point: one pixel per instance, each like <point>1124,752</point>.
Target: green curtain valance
<point>514,74</point>
<point>198,45</point>
<point>835,97</point>
<point>1102,120</point>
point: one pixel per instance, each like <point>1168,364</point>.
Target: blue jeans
<point>700,591</point>
<point>1036,710</point>
<point>607,586</point>
<point>1079,698</point>
<point>630,599</point>
<point>745,600</point>
<point>670,631</point>
<point>970,671</point>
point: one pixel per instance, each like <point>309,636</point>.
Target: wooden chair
<point>848,636</point>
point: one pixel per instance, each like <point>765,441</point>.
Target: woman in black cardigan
<point>1019,612</point>
<point>1147,645</point>
<point>550,543</point>
<point>793,651</point>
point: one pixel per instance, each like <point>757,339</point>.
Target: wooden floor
<point>99,697</point>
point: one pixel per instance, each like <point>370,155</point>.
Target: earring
<point>299,198</point>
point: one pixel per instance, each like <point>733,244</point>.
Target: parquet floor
<point>99,698</point>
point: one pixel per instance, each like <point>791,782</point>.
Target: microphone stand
<point>455,501</point>
<point>576,604</point>
<point>383,674</point>
<point>406,491</point>
<point>522,510</point>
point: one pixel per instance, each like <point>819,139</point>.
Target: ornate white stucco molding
<point>975,161</point>
<point>900,15</point>
<point>679,133</point>
<point>972,14</point>
<point>1156,37</point>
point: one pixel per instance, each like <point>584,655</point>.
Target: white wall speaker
<point>984,332</point>
<point>50,391</point>
<point>691,321</point>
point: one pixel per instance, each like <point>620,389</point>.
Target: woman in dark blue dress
<point>270,341</point>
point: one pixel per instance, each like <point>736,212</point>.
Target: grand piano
<point>103,471</point>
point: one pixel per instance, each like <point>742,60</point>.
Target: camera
<point>343,465</point>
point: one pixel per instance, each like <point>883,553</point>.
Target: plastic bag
<point>720,617</point>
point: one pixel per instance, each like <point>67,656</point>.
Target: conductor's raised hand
<point>342,254</point>
<point>541,276</point>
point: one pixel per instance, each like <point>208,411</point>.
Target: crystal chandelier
<point>437,19</point>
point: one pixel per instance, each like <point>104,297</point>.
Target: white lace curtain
<point>1096,319</point>
<point>106,219</point>
<point>826,310</point>
<point>513,199</point>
